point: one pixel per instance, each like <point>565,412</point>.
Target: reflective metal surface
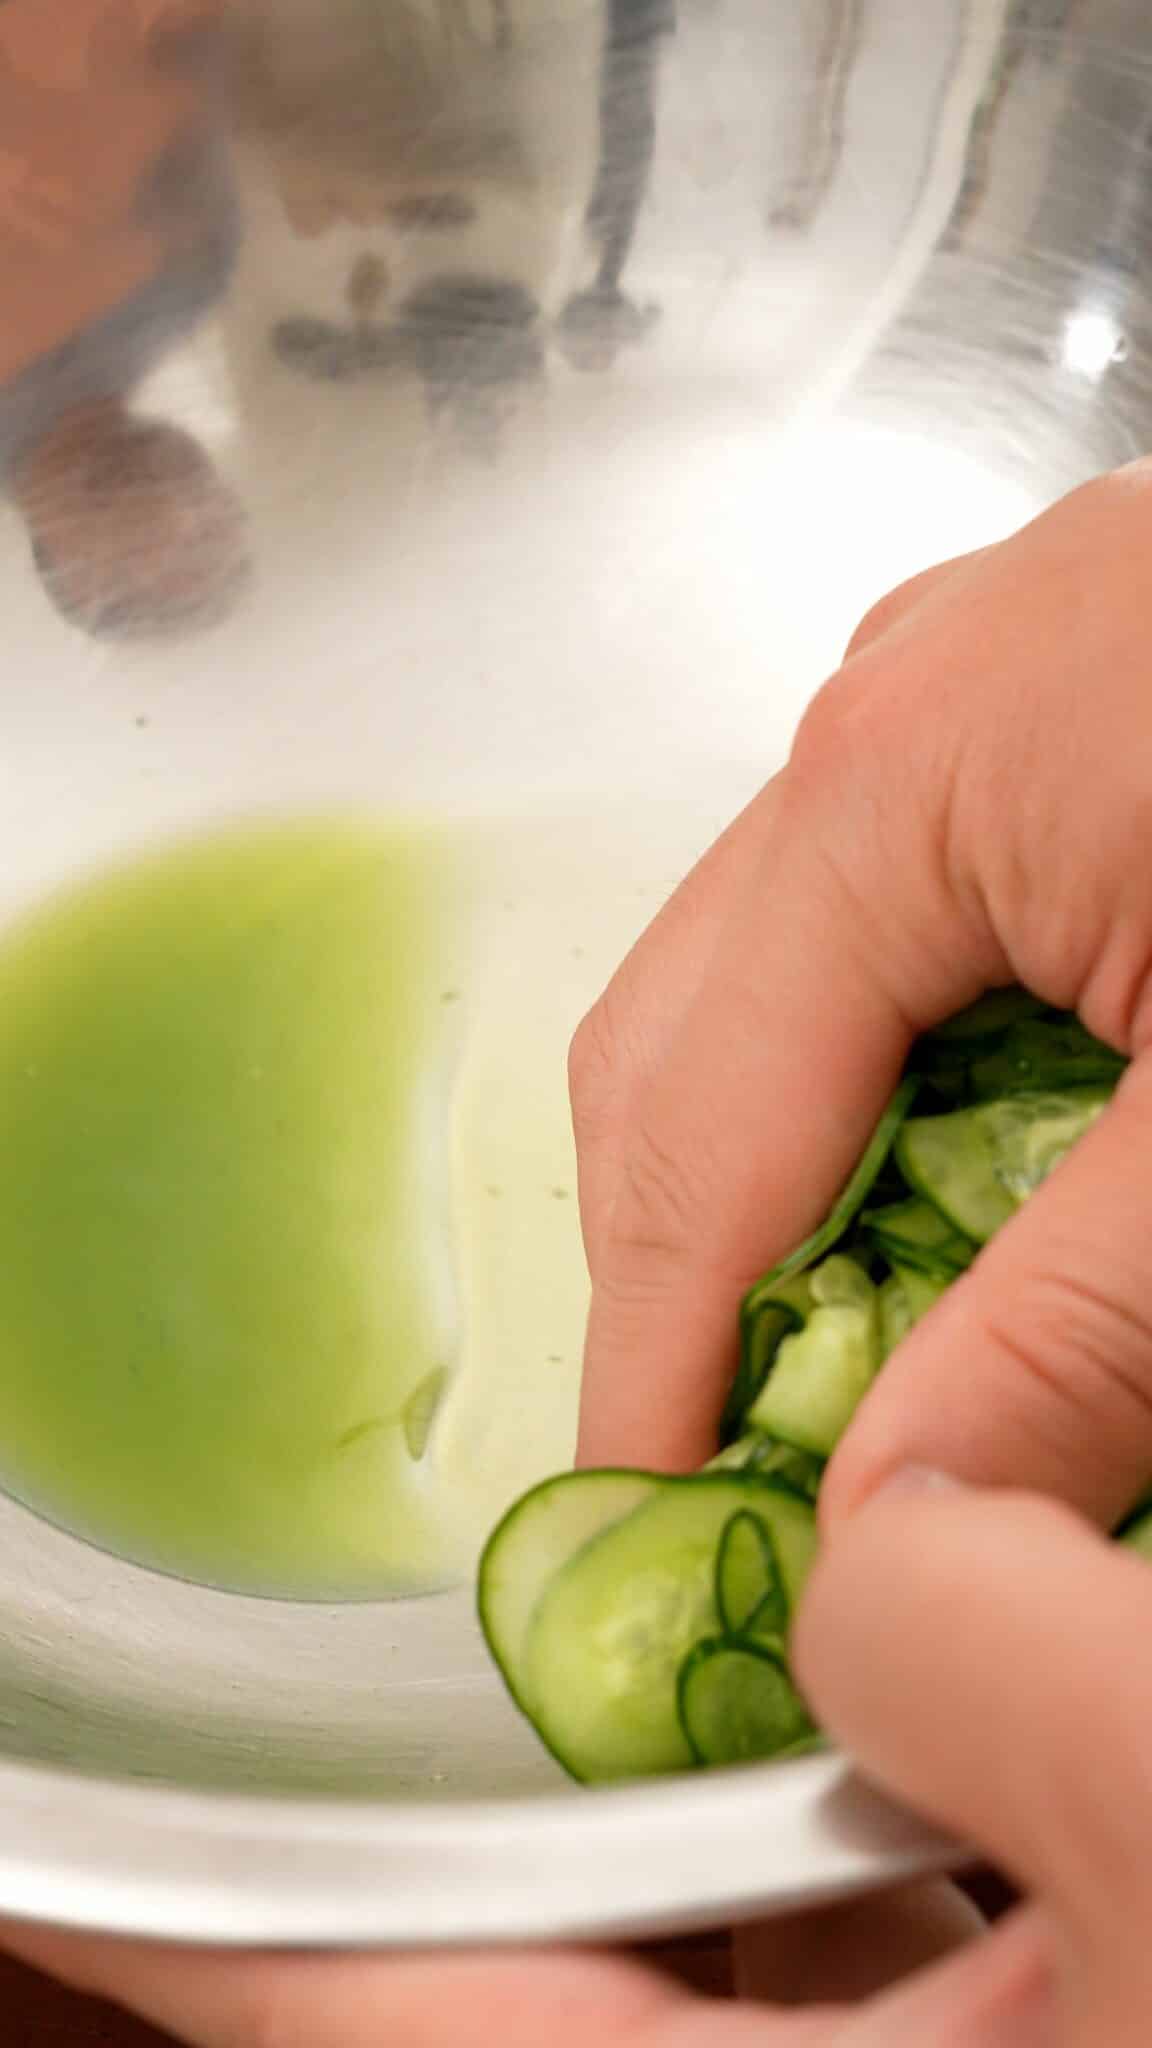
<point>503,407</point>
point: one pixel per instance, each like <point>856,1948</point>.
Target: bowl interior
<point>555,556</point>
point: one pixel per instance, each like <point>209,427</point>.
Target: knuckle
<point>662,1210</point>
<point>878,619</point>
<point>593,1059</point>
<point>820,735</point>
<point>1115,495</point>
<point>660,1219</point>
<point>843,749</point>
<point>613,1049</point>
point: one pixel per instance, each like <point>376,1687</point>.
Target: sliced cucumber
<point>612,1629</point>
<point>921,1291</point>
<point>945,1057</point>
<point>821,1375</point>
<point>749,1596</point>
<point>987,1017</point>
<point>915,1233</point>
<point>948,1159</point>
<point>978,1165</point>
<point>896,1316</point>
<point>1029,1135</point>
<point>642,1622</point>
<point>757,1452</point>
<point>534,1541</point>
<point>750,1373</point>
<point>763,1327</point>
<point>905,1296</point>
<point>1042,1055</point>
<point>764,1330</point>
<point>849,1204</point>
<point>737,1703</point>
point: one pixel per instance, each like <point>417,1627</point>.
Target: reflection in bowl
<point>900,257</point>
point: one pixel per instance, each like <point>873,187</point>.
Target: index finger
<point>844,942</point>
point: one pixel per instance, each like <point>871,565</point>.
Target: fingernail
<point>912,1479</point>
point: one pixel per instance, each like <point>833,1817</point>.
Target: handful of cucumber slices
<point>641,1622</point>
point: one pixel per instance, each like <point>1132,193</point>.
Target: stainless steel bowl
<point>556,383</point>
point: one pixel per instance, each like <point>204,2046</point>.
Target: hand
<point>216,2000</point>
<point>1005,1687</point>
<point>969,802</point>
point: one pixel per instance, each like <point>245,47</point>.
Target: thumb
<point>1004,1687</point>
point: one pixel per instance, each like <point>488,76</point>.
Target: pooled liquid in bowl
<point>225,1311</point>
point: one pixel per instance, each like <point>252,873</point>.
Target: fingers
<point>844,941</point>
<point>1036,1368</point>
<point>1003,1685</point>
<point>845,1952</point>
<point>726,1084</point>
<point>898,605</point>
<point>875,902</point>
<point>623,1039</point>
<point>995,1994</point>
<point>223,2000</point>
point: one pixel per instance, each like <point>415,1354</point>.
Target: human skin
<point>968,802</point>
<point>92,98</point>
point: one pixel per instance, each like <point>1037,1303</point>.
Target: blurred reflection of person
<point>117,232</point>
<point>597,322</point>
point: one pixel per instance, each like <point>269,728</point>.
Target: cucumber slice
<point>763,1332</point>
<point>921,1291</point>
<point>915,1233</point>
<point>847,1208</point>
<point>821,1375</point>
<point>749,1596</point>
<point>949,1160</point>
<point>978,1165</point>
<point>1029,1135</point>
<point>753,1363</point>
<point>737,1703</point>
<point>757,1452</point>
<point>536,1538</point>
<point>763,1327</point>
<point>993,1012</point>
<point>945,1057</point>
<point>612,1629</point>
<point>1043,1055</point>
<point>906,1296</point>
<point>896,1318</point>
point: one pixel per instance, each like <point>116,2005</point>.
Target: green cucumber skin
<point>758,1660</point>
<point>631,1487</point>
<point>1017,1082</point>
<point>914,1233</point>
<point>600,1666</point>
<point>821,1372</point>
<point>749,1378</point>
<point>745,1606</point>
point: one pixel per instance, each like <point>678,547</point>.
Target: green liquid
<point>223,1204</point>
